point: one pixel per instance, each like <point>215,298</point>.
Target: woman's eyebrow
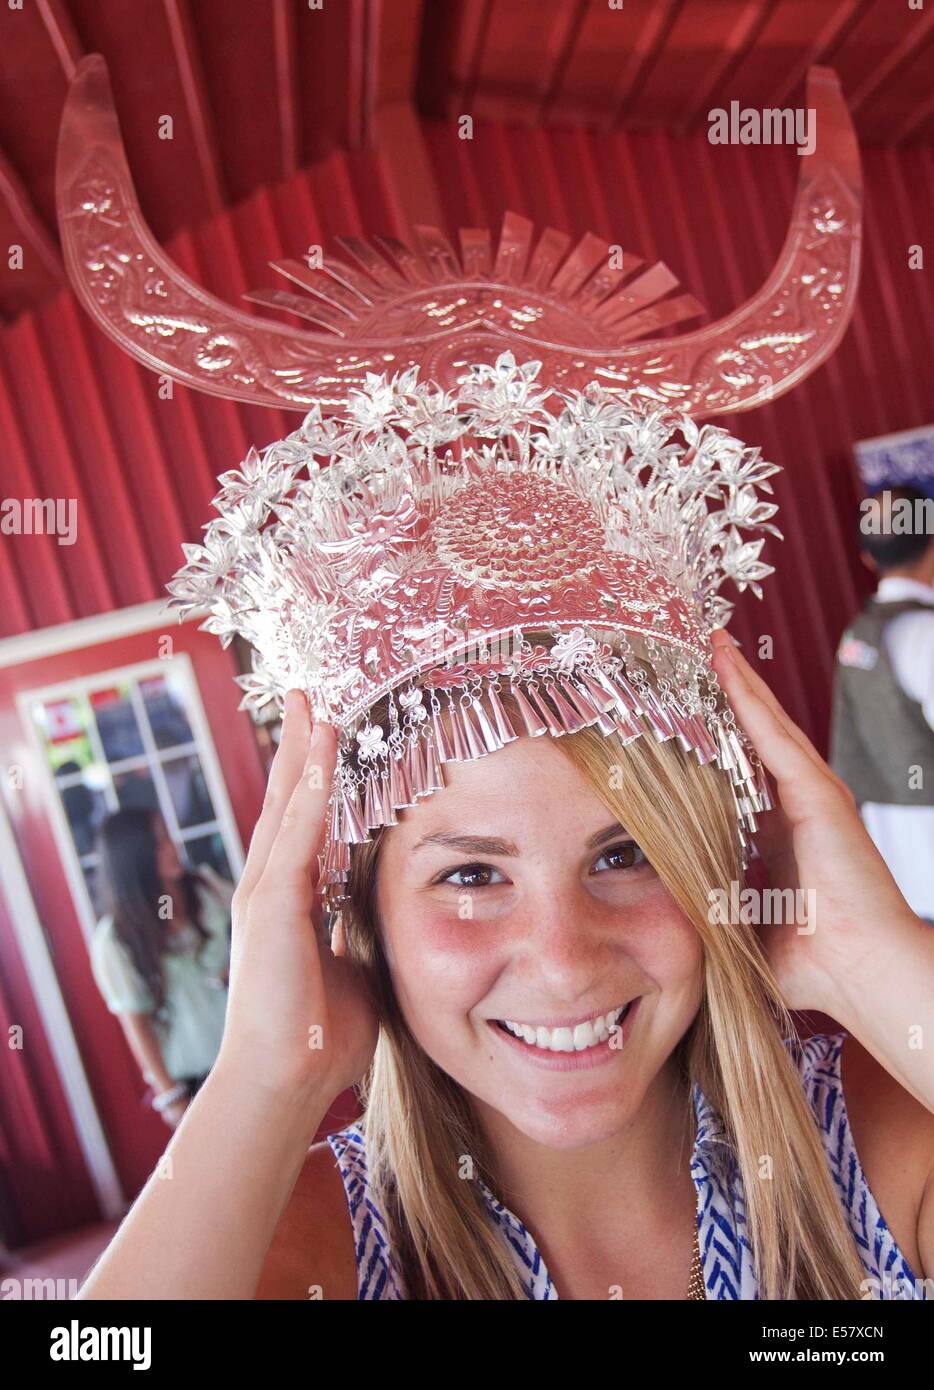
<point>469,844</point>
<point>485,844</point>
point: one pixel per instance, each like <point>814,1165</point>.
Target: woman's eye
<point>627,855</point>
<point>480,873</point>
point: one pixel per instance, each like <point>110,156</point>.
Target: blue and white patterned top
<point>721,1208</point>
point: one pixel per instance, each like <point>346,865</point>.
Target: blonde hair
<point>419,1125</point>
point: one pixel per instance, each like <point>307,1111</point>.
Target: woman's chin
<point>573,1126</point>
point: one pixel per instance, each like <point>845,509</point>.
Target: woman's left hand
<point>814,841</point>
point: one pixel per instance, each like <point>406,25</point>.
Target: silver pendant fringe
<point>381,776</point>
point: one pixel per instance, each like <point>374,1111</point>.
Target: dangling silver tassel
<point>417,768</point>
<point>352,829</point>
<point>551,720</point>
<point>704,746</point>
<point>533,725</point>
<point>765,797</point>
<point>387,809</point>
<point>334,819</point>
<point>433,776</point>
<point>607,724</point>
<point>402,793</point>
<point>619,688</point>
<point>657,715</point>
<point>503,724</point>
<point>461,751</point>
<point>630,701</point>
<point>445,751</point>
<point>568,713</point>
<point>598,694</point>
<point>742,762</point>
<point>580,700</point>
<point>471,737</point>
<point>682,729</point>
<point>371,809</point>
<point>335,850</point>
<point>628,726</point>
<point>725,753</point>
<point>491,738</point>
<point>632,708</point>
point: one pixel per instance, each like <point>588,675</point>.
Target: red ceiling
<point>259,88</point>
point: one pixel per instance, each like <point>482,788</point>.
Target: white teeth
<point>584,1035</point>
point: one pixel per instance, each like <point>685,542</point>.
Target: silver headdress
<point>446,527</point>
<point>463,508</point>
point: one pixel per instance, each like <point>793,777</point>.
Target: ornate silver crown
<point>448,525</point>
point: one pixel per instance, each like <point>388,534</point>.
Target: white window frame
<point>181,666</point>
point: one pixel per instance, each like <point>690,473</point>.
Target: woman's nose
<point>568,939</point>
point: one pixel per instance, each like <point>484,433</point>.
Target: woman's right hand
<point>299,1019</point>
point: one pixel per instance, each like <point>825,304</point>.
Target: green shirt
<point>195,992</point>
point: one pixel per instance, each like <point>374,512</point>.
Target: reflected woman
<point>160,955</point>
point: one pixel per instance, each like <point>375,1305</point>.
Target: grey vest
<point>879,733</point>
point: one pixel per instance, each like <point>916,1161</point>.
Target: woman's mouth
<point>599,1031</point>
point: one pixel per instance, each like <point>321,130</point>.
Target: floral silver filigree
<point>425,527</point>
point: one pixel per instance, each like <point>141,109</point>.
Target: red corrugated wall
<point>77,419</point>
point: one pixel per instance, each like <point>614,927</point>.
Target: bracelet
<point>166,1098</point>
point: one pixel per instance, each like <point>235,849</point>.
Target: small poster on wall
<point>905,459</point>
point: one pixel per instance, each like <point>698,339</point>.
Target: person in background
<point>161,954</point>
<point>882,732</point>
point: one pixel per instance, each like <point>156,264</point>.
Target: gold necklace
<point>697,1289</point>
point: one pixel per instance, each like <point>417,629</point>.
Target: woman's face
<point>511,895</point>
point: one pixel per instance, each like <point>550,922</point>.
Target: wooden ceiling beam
<point>911,43</point>
<point>392,124</point>
<point>198,106</point>
<point>744,33</point>
<point>57,21</point>
<point>28,220</point>
<point>287,91</point>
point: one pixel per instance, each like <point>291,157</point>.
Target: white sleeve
<point>909,640</point>
<point>121,985</point>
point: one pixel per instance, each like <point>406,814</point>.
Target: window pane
<point>85,807</point>
<point>165,709</point>
<point>116,723</point>
<point>136,789</point>
<point>208,849</point>
<point>64,728</point>
<point>193,805</point>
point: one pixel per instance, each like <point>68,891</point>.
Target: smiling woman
<point>501,937</point>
